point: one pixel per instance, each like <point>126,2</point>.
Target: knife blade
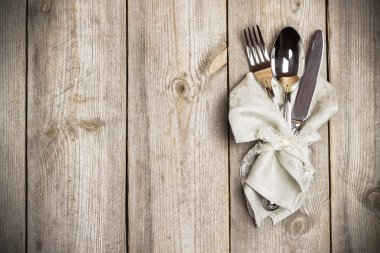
<point>308,81</point>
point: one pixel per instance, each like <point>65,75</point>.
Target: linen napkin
<point>278,166</point>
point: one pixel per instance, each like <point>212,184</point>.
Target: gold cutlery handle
<point>264,77</point>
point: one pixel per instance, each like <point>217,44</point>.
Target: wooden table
<point>114,134</point>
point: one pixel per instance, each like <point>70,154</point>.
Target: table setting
<point>279,106</point>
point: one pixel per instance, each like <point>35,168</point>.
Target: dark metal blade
<point>309,79</point>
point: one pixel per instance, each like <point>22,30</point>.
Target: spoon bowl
<point>288,57</point>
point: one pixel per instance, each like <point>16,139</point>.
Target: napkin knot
<point>276,141</point>
<point>294,144</point>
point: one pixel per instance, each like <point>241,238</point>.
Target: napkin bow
<point>278,166</point>
<point>293,144</point>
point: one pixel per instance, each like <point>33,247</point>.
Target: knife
<point>308,82</point>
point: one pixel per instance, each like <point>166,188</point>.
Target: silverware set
<point>287,65</point>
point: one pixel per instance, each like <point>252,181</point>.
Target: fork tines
<point>262,45</point>
<point>257,53</point>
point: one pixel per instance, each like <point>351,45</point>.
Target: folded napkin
<point>278,167</point>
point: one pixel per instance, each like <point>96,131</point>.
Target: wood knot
<point>371,200</point>
<point>296,5</point>
<point>52,132</point>
<point>298,224</point>
<point>181,88</point>
<point>214,60</point>
<point>91,125</point>
<point>46,6</point>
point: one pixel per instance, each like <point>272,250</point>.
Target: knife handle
<point>295,126</point>
<point>288,109</point>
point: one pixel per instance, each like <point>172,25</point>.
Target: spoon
<point>288,62</point>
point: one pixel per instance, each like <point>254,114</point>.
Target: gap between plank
<point>228,134</point>
<point>127,134</point>
<point>328,123</point>
<point>26,125</point>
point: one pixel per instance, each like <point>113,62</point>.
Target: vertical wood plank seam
<point>228,133</point>
<point>327,53</point>
<point>127,134</point>
<point>26,126</point>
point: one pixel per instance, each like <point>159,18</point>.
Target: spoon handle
<point>288,109</point>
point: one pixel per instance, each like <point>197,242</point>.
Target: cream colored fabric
<point>278,166</point>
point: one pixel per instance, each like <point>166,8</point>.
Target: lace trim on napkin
<point>272,140</point>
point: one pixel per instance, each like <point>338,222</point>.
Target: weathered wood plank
<point>177,127</point>
<point>76,126</point>
<point>355,135</point>
<point>12,125</point>
<point>308,229</point>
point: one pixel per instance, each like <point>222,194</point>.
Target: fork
<point>258,59</point>
<point>259,64</point>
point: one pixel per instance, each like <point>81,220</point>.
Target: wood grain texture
<point>76,126</point>
<point>355,136</point>
<point>308,229</point>
<point>177,126</point>
<point>12,125</point>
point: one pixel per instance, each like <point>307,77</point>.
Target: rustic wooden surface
<point>76,144</point>
<point>354,132</point>
<point>177,125</point>
<point>114,132</point>
<point>12,125</point>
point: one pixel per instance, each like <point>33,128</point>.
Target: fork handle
<point>264,76</point>
<point>272,97</point>
<point>274,100</point>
